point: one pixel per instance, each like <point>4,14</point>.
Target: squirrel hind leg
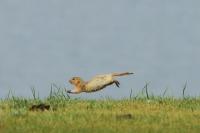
<point>117,83</point>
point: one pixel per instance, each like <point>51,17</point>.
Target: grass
<point>141,113</point>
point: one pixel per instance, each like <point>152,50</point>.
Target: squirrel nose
<point>69,91</point>
<point>70,81</point>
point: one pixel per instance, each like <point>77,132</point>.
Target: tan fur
<point>78,83</point>
<point>97,83</point>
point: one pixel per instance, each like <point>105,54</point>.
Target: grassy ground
<point>114,116</point>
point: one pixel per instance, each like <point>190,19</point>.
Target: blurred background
<point>44,42</point>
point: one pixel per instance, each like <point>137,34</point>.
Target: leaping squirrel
<point>97,83</point>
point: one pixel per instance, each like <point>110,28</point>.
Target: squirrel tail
<point>122,74</point>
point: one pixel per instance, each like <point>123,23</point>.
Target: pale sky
<point>49,41</point>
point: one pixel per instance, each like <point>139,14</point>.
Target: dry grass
<point>133,115</point>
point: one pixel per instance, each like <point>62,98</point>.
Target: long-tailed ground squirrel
<point>97,83</point>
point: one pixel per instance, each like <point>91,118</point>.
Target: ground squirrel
<point>97,83</point>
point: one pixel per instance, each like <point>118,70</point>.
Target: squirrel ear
<point>78,82</point>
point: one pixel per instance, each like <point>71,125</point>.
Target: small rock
<point>124,116</point>
<point>40,107</point>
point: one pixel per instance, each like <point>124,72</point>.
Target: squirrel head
<point>76,81</point>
